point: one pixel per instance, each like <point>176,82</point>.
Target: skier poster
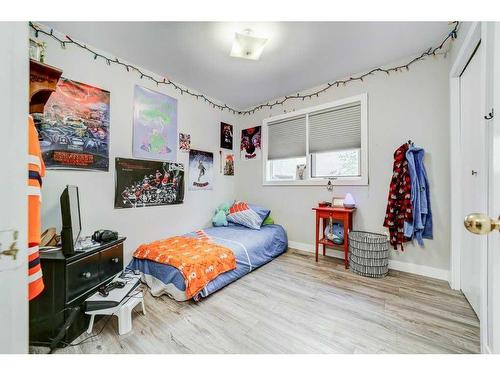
<point>201,170</point>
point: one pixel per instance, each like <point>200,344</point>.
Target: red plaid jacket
<point>399,206</point>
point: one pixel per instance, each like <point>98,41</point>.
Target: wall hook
<point>490,115</point>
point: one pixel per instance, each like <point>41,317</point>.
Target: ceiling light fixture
<point>247,46</point>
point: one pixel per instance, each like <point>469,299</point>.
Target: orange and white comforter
<point>198,259</point>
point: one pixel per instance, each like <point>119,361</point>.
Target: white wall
<point>404,105</point>
<point>408,105</point>
<point>463,30</point>
<point>97,188</point>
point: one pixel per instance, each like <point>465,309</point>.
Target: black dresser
<point>69,280</point>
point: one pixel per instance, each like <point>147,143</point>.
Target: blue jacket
<point>421,227</point>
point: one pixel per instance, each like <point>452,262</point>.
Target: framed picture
<point>74,127</point>
<point>201,170</point>
<point>227,159</point>
<point>184,142</point>
<point>145,183</point>
<point>300,172</point>
<point>226,136</point>
<point>250,148</point>
<point>37,50</point>
<point>155,125</point>
<point>338,202</point>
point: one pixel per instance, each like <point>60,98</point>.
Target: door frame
<point>491,79</point>
<point>477,33</point>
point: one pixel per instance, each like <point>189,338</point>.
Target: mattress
<point>252,248</point>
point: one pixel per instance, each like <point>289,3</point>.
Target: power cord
<point>58,339</point>
<point>104,325</point>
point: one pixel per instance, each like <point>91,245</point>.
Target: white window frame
<point>348,181</point>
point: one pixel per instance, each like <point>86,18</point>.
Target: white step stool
<point>123,311</point>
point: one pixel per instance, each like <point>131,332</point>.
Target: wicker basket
<point>368,253</point>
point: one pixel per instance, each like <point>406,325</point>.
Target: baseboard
<point>486,349</point>
<point>417,269</point>
<point>310,249</point>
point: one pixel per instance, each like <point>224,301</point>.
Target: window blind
<point>335,129</point>
<point>287,138</point>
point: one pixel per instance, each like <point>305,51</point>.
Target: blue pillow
<point>262,212</point>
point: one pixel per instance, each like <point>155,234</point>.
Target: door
<point>14,73</point>
<point>474,174</point>
<point>481,223</point>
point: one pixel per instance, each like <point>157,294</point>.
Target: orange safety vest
<point>36,170</point>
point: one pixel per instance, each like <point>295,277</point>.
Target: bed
<point>252,248</point>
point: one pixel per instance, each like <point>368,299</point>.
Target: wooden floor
<point>293,305</point>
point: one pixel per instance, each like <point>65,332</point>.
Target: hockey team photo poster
<point>74,127</point>
<point>201,170</point>
<point>144,183</point>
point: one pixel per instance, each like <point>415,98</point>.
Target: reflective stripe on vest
<point>36,170</point>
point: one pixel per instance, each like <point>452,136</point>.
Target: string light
<point>452,35</point>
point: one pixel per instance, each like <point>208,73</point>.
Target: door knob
<point>481,223</point>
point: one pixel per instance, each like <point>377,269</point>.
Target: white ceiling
<point>299,55</point>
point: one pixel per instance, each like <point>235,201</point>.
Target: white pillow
<point>241,213</point>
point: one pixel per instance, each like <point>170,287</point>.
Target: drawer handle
<point>115,260</point>
<point>86,275</point>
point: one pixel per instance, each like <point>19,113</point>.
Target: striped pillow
<point>241,213</point>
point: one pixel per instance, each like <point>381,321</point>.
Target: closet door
<point>474,174</point>
<point>14,74</point>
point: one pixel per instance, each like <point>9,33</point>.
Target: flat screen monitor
<point>71,221</point>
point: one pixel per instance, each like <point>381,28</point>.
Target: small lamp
<point>349,201</point>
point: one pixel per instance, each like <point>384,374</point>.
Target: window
<point>286,148</point>
<point>334,164</point>
<point>285,169</point>
<point>323,142</point>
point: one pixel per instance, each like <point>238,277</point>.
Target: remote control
<point>105,289</point>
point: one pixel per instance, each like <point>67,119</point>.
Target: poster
<point>226,136</point>
<point>155,125</point>
<point>184,142</point>
<point>201,170</point>
<point>228,163</point>
<point>250,143</point>
<point>74,127</point>
<point>143,183</point>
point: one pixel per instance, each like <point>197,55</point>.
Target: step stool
<point>123,311</point>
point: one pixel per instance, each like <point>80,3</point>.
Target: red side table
<point>340,214</point>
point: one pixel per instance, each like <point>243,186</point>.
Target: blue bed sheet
<point>252,248</point>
